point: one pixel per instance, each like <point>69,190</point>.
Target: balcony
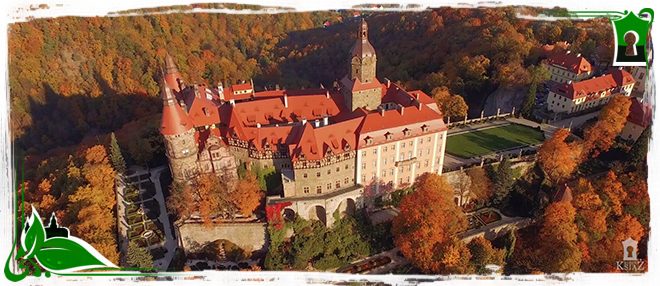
<point>410,161</point>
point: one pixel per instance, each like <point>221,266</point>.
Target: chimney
<point>417,95</point>
<point>304,121</point>
<point>419,104</point>
<point>207,112</point>
<point>277,86</point>
<point>183,106</point>
<point>317,123</point>
<point>399,107</point>
<point>381,110</point>
<point>569,82</point>
<point>232,102</point>
<point>196,89</point>
<point>325,120</point>
<point>286,102</point>
<point>258,125</point>
<point>327,94</point>
<point>387,81</point>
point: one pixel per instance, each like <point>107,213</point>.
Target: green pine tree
<point>528,104</point>
<point>116,157</point>
<point>641,146</point>
<point>138,256</point>
<point>503,181</point>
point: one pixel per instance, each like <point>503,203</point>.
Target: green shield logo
<point>631,38</point>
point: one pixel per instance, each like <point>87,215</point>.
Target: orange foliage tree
<point>611,120</point>
<point>613,192</point>
<point>556,157</point>
<point>210,197</point>
<point>559,239</point>
<point>247,195</point>
<point>428,220</point>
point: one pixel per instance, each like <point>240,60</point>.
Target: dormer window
<point>347,147</point>
<point>369,140</point>
<point>302,156</point>
<point>328,152</point>
<point>388,136</point>
<point>425,128</point>
<point>406,132</point>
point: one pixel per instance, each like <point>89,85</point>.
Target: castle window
<point>319,189</point>
<point>373,176</point>
<point>364,166</point>
<point>346,181</point>
<point>346,167</point>
<point>388,136</point>
<point>401,157</point>
<point>306,190</point>
<point>329,171</point>
<point>375,151</point>
<point>373,164</point>
<point>428,139</point>
<point>428,151</point>
<point>410,143</point>
<point>185,152</point>
<point>337,170</point>
<point>384,148</point>
<point>392,172</point>
<point>318,174</point>
<point>393,147</point>
<point>406,132</point>
<point>385,161</point>
<point>384,174</point>
<point>409,155</point>
<point>347,147</point>
<point>329,186</point>
<point>403,144</point>
<point>369,140</point>
<point>418,164</point>
<point>421,140</point>
<point>305,175</point>
<point>426,163</point>
<point>419,153</point>
<point>364,153</point>
<point>364,178</point>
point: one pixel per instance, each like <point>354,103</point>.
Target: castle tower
<point>179,137</point>
<point>360,87</point>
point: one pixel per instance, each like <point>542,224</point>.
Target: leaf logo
<point>56,254</point>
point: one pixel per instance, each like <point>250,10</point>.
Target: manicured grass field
<point>477,143</point>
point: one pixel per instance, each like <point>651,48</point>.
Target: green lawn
<point>477,143</point>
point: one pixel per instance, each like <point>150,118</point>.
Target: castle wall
<point>369,98</point>
<point>252,236</point>
<point>342,172</point>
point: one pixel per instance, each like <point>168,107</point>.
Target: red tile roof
<point>413,119</point>
<point>175,121</point>
<point>640,113</point>
<point>573,63</point>
<point>356,85</point>
<point>563,194</point>
<point>229,92</point>
<point>593,87</point>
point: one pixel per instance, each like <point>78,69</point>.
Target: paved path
<point>470,234</point>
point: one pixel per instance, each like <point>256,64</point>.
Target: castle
<point>333,148</point>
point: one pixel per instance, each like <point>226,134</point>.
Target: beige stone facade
<point>181,150</point>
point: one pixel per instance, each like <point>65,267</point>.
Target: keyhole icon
<point>631,39</point>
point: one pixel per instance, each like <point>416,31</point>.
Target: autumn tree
<point>483,254</point>
<point>556,157</point>
<point>139,257</point>
<point>481,187</point>
<point>247,195</point>
<point>559,239</point>
<point>591,214</point>
<point>116,157</point>
<point>611,120</point>
<point>450,105</point>
<point>180,201</point>
<point>428,219</point>
<point>211,197</point>
<point>613,192</point>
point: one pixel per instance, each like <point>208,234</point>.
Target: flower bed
<point>490,217</point>
<point>474,222</point>
<point>134,218</point>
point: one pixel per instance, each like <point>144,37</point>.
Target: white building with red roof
<point>576,96</point>
<point>568,67</point>
<point>639,118</point>
<point>334,148</point>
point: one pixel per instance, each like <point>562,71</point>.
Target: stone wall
<point>249,236</point>
<point>346,170</point>
<point>499,230</point>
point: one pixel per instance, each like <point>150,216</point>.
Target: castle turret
<point>179,137</point>
<point>360,86</point>
<point>172,75</point>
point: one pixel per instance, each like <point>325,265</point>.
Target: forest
<point>74,80</point>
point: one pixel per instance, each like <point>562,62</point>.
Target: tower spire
<point>166,92</point>
<point>169,64</point>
